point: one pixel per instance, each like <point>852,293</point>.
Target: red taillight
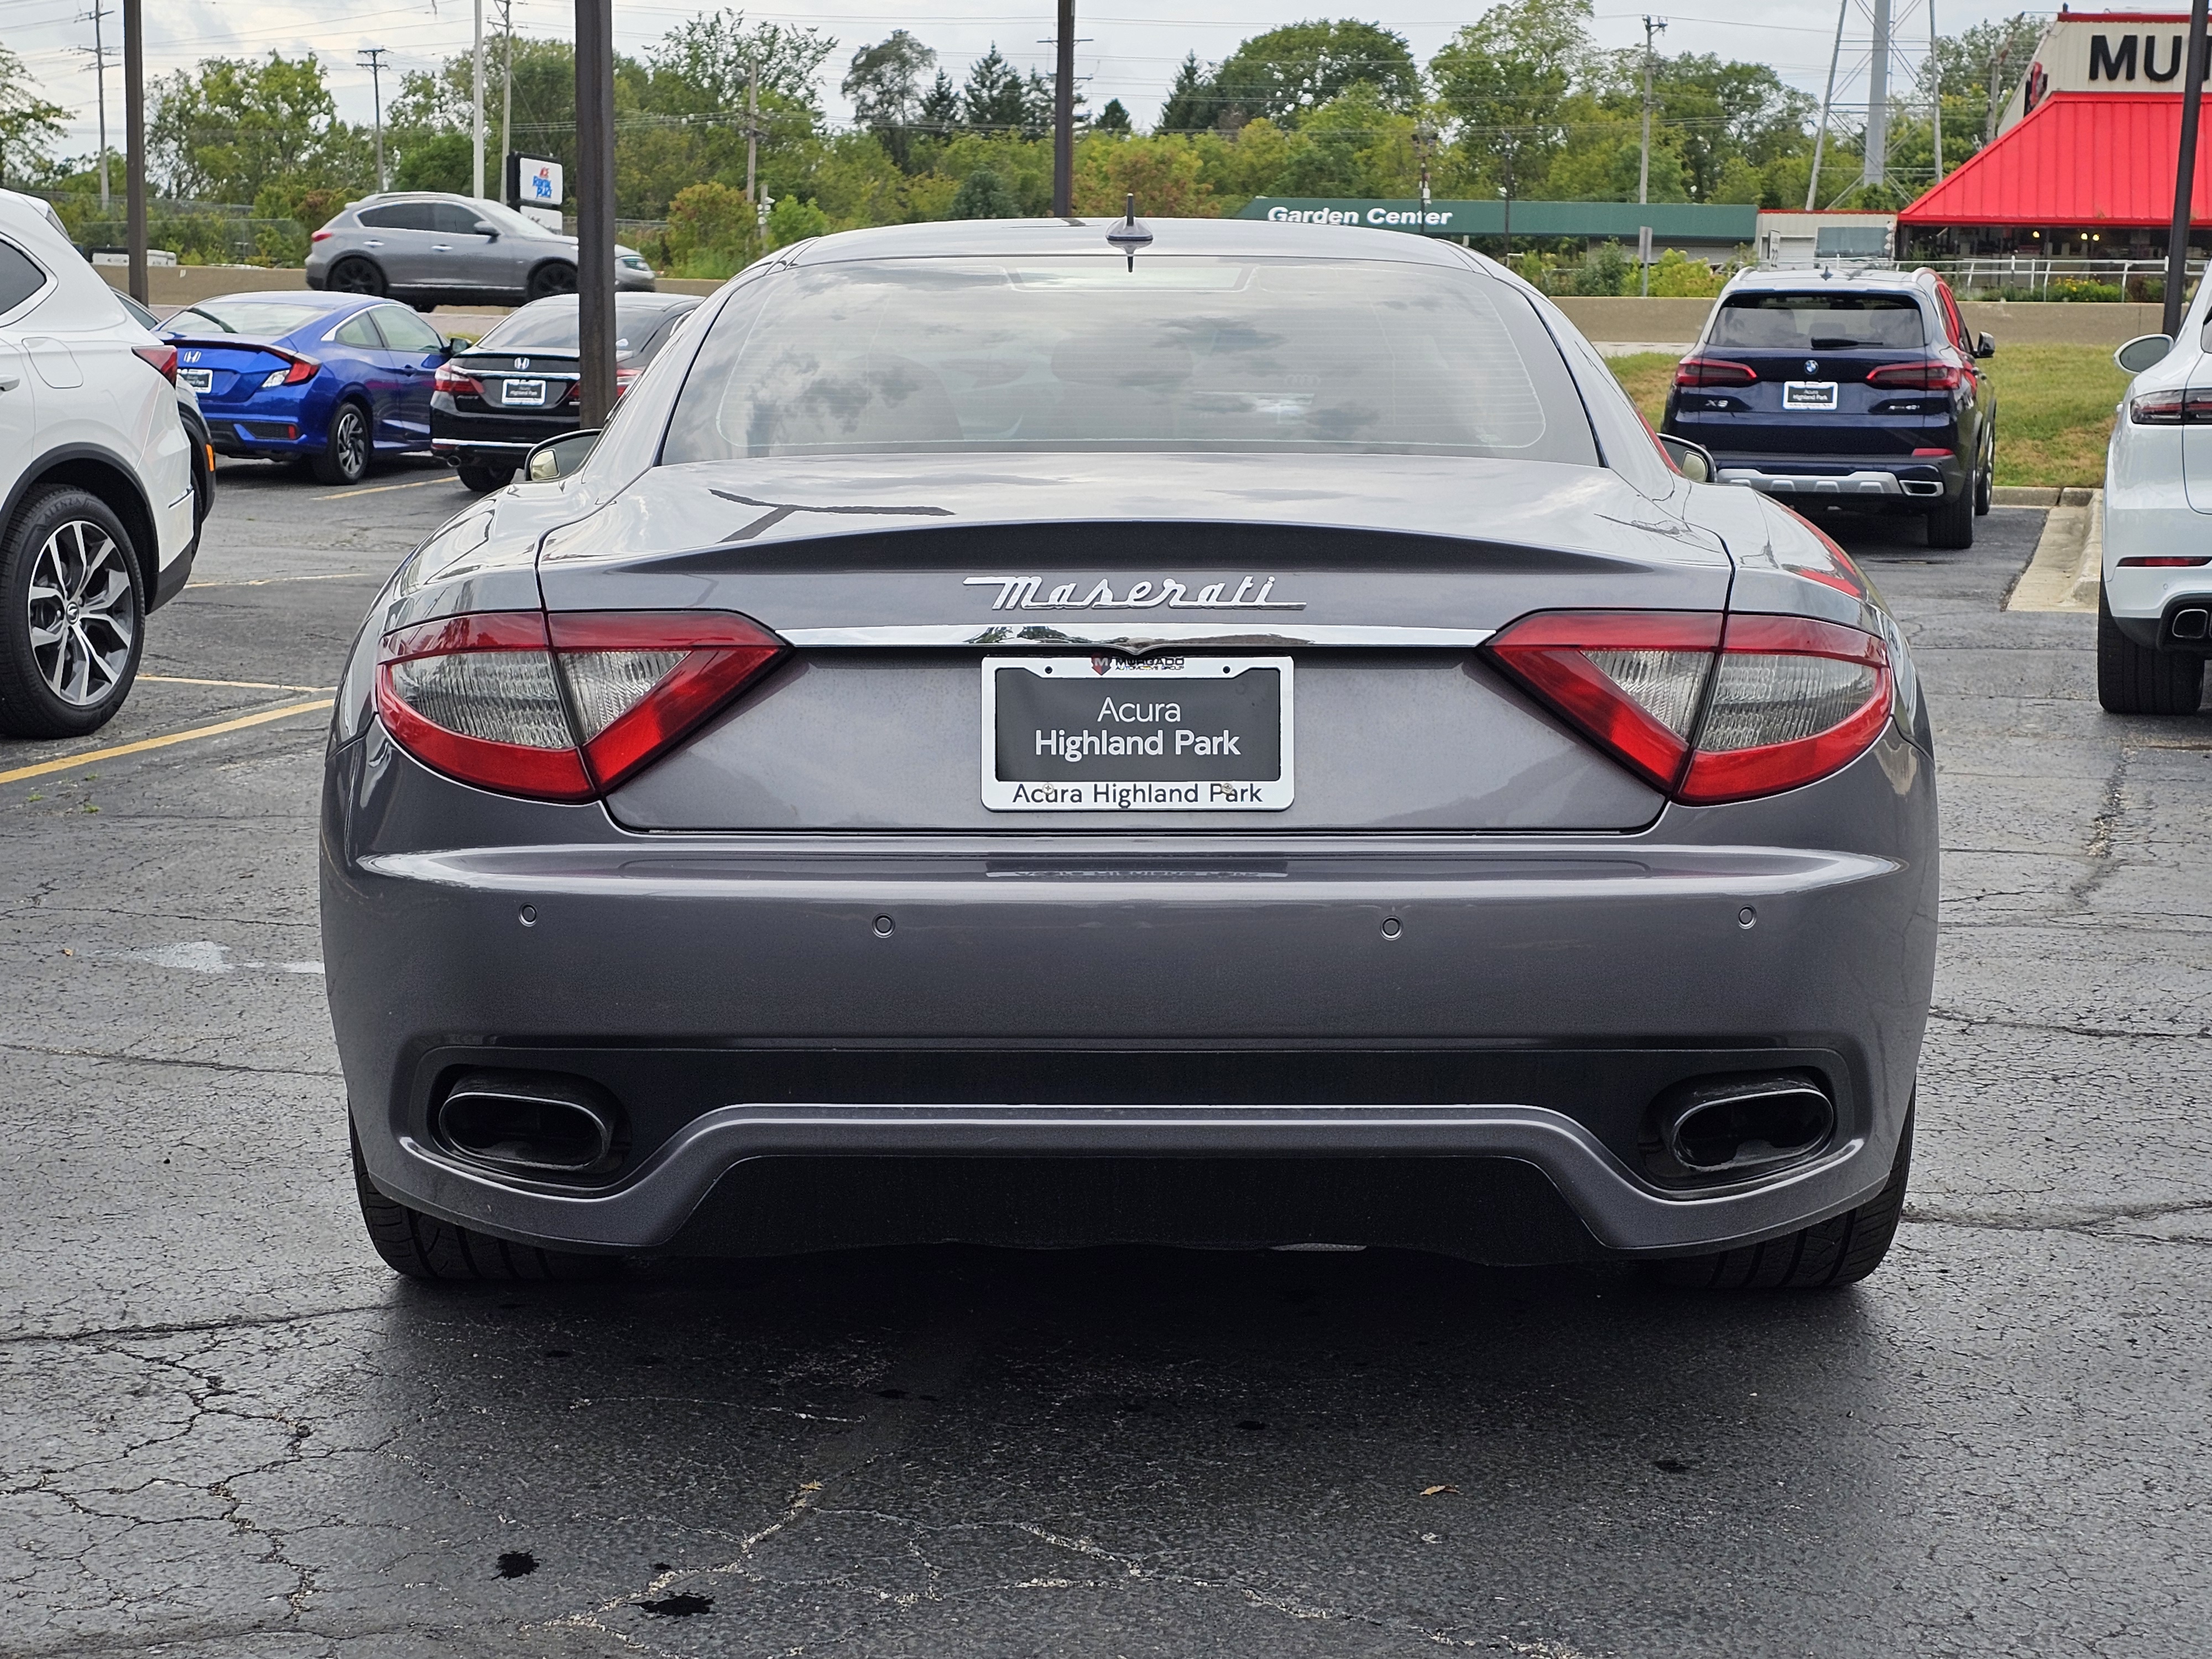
<point>163,358</point>
<point>622,379</point>
<point>2166,561</point>
<point>1707,708</point>
<point>318,236</point>
<point>457,381</point>
<point>300,371</point>
<point>1930,375</point>
<point>1713,371</point>
<point>498,700</point>
<point>2171,407</point>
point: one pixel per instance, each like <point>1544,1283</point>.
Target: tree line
<point>1520,103</point>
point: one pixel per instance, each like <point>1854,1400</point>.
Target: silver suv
<point>430,248</point>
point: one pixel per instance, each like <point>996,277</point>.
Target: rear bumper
<point>1874,482</point>
<point>741,998</point>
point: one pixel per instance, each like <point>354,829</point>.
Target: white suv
<point>97,524</point>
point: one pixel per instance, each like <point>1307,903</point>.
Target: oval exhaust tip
<point>532,1124</point>
<point>1740,1125</point>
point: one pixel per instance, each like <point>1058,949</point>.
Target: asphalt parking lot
<point>229,1431</point>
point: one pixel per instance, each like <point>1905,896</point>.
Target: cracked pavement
<point>231,1432</point>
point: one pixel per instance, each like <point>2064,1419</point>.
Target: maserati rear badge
<point>1021,593</point>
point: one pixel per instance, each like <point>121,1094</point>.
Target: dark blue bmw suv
<point>1852,389</point>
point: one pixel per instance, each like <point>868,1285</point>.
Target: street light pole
<point>595,208</point>
<point>1063,115</point>
<point>134,135</point>
<point>479,102</point>
<point>2184,170</point>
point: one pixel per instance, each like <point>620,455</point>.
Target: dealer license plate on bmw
<point>1808,394</point>
<point>1149,734</point>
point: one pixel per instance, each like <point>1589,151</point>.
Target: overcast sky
<point>1129,48</point>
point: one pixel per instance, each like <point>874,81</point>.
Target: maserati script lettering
<point>1022,593</point>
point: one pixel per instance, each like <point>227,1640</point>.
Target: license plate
<point>1108,733</point>
<point>200,379</point>
<point>532,392</point>
<point>1808,394</point>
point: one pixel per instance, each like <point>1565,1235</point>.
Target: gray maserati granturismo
<point>1054,733</point>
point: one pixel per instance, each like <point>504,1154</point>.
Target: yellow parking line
<point>378,490</point>
<point>67,762</point>
<point>244,685</point>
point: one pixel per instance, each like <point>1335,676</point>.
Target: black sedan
<point>517,385</point>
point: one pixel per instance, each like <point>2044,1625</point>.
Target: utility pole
<point>134,135</point>
<point>2185,171</point>
<point>1424,140</point>
<point>752,127</point>
<point>99,55</point>
<point>1990,116</point>
<point>1877,127</point>
<point>375,56</point>
<point>1827,102</point>
<point>1936,90</point>
<point>595,208</point>
<point>1063,115</point>
<point>1652,25</point>
<point>479,101</point>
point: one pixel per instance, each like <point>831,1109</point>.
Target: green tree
<point>794,219</point>
<point>1192,104</point>
<point>1978,67</point>
<point>30,125</point>
<point>1288,72</point>
<point>984,195</point>
<point>1112,118</point>
<point>884,84</point>
<point>234,125</point>
<point>940,105</point>
<point>1506,78</point>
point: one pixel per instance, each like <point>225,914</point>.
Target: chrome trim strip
<point>1867,483</point>
<point>437,444</point>
<point>1042,637</point>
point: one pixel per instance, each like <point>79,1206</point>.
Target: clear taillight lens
<point>561,707</point>
<point>1706,707</point>
<point>2170,407</point>
<point>457,381</point>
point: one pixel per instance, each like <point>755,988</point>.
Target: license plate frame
<point>509,388</point>
<point>200,381</point>
<point>1064,699</point>
<point>1816,397</point>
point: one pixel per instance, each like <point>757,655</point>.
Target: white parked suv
<point>2155,615</point>
<point>97,527</point>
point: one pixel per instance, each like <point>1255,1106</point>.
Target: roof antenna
<point>1129,236</point>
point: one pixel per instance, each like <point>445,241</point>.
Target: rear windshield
<point>1178,354</point>
<point>553,325</point>
<point>1818,321</point>
<point>266,318</point>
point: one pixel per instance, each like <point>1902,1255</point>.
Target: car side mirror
<point>1693,461</point>
<point>490,233</point>
<point>557,458</point>
<point>1985,345</point>
<point>2144,351</point>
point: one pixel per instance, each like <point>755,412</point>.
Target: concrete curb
<point>2067,571</point>
<point>2041,495</point>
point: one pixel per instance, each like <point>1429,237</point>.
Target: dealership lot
<point>232,1432</point>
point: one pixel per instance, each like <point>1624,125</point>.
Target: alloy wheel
<point>83,613</point>
<point>350,442</point>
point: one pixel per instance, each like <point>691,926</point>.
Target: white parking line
<point>265,581</point>
<point>378,490</point>
<point>244,685</point>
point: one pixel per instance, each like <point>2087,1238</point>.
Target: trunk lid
<point>895,576</point>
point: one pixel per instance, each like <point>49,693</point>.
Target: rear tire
<point>72,617</point>
<point>1841,1250</point>
<point>485,479</point>
<point>1952,524</point>
<point>2141,679</point>
<point>552,279</point>
<point>419,1246</point>
<point>1985,482</point>
<point>355,274</point>
<point>344,459</point>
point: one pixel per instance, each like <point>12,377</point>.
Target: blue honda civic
<point>332,380</point>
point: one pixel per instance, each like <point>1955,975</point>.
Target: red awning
<point>2097,158</point>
